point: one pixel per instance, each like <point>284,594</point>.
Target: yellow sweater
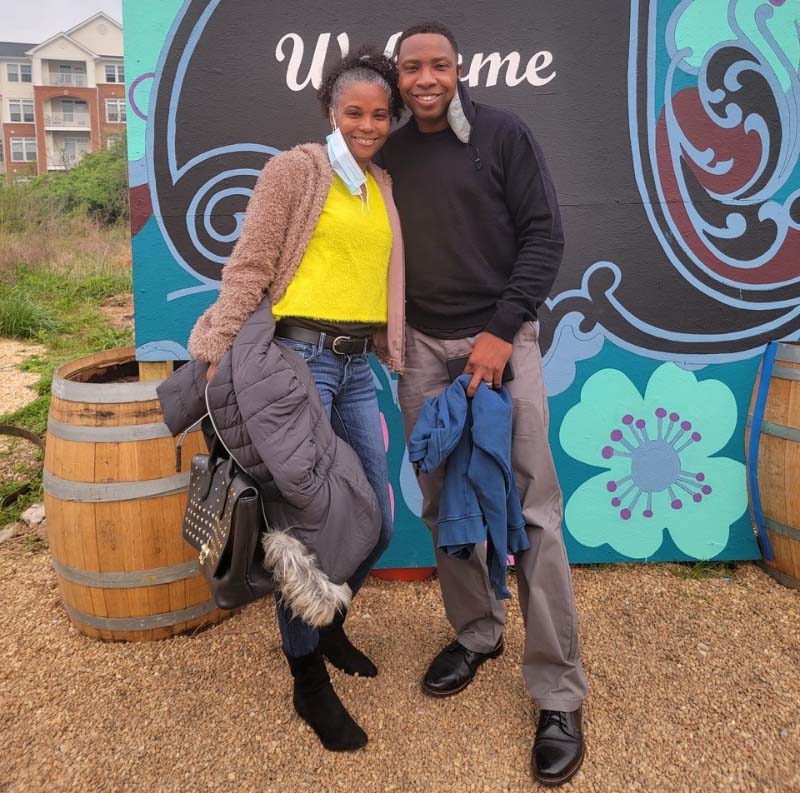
<point>344,272</point>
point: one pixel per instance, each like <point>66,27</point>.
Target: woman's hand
<point>210,372</point>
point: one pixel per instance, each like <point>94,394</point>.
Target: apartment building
<point>62,98</point>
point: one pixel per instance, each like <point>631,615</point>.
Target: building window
<point>115,111</point>
<point>18,72</point>
<point>23,149</point>
<point>21,110</point>
<point>115,73</point>
<point>111,141</point>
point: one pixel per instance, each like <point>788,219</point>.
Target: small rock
<point>33,516</point>
<point>7,533</point>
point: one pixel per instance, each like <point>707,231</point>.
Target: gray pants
<point>551,662</point>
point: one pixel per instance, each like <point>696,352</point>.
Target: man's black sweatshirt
<point>481,226</point>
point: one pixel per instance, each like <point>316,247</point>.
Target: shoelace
<point>557,716</point>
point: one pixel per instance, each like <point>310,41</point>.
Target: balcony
<point>66,80</point>
<point>67,120</point>
<point>64,160</point>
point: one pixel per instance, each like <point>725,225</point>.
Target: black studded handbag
<point>224,521</point>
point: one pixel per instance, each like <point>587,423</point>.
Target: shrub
<point>25,206</point>
<point>97,188</point>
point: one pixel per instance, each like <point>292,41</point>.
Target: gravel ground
<point>695,687</point>
<point>15,386</point>
<point>17,457</point>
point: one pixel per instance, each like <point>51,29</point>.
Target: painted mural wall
<point>672,130</point>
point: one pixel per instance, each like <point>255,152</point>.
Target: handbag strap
<point>179,443</point>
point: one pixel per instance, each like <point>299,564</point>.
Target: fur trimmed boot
<point>341,652</point>
<point>317,704</point>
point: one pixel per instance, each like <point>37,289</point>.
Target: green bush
<point>29,205</point>
<point>96,188</point>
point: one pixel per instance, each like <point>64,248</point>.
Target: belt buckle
<point>336,341</point>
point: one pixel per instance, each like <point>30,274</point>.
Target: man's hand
<point>487,361</point>
<point>210,372</point>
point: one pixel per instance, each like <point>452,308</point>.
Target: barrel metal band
<point>104,393</point>
<point>778,430</point>
<point>164,620</point>
<point>120,434</point>
<point>781,528</point>
<point>780,577</point>
<point>788,352</point>
<point>126,580</point>
<point>93,492</point>
<point>786,373</point>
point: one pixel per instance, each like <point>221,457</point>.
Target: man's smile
<point>426,99</point>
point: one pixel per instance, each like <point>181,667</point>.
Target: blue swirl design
<point>732,293</point>
<point>199,201</point>
<point>743,227</point>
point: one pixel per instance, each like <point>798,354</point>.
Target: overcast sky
<point>33,21</point>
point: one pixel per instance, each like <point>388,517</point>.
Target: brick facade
<point>43,94</point>
<point>18,130</point>
<point>109,129</point>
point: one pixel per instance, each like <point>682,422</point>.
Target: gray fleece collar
<point>457,120</point>
<point>457,114</point>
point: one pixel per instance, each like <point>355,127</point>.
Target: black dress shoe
<point>453,669</point>
<point>558,748</point>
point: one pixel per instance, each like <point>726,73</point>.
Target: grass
<point>12,513</point>
<point>21,318</point>
<point>51,291</point>
<point>700,570</point>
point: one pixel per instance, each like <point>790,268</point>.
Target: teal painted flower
<point>661,474</point>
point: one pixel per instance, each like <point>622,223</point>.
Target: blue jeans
<point>347,389</point>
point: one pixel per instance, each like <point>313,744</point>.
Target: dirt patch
<point>16,386</point>
<point>118,310</point>
<point>694,689</point>
<point>18,457</point>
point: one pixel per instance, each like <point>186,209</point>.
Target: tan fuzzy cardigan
<point>281,217</point>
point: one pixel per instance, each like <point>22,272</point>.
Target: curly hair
<point>368,65</point>
<point>428,27</point>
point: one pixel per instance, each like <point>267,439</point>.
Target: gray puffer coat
<point>268,413</point>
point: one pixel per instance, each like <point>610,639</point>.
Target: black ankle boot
<point>318,705</point>
<point>338,649</point>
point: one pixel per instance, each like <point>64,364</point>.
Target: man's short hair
<point>428,27</point>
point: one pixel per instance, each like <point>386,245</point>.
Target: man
<point>483,242</point>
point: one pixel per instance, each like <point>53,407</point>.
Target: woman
<point>330,257</point>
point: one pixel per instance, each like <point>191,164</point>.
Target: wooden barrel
<point>772,440</point>
<point>115,503</point>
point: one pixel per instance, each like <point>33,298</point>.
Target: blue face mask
<point>343,162</point>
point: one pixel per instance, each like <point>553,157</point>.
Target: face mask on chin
<point>343,162</point>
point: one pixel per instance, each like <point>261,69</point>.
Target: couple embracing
<point>480,248</point>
